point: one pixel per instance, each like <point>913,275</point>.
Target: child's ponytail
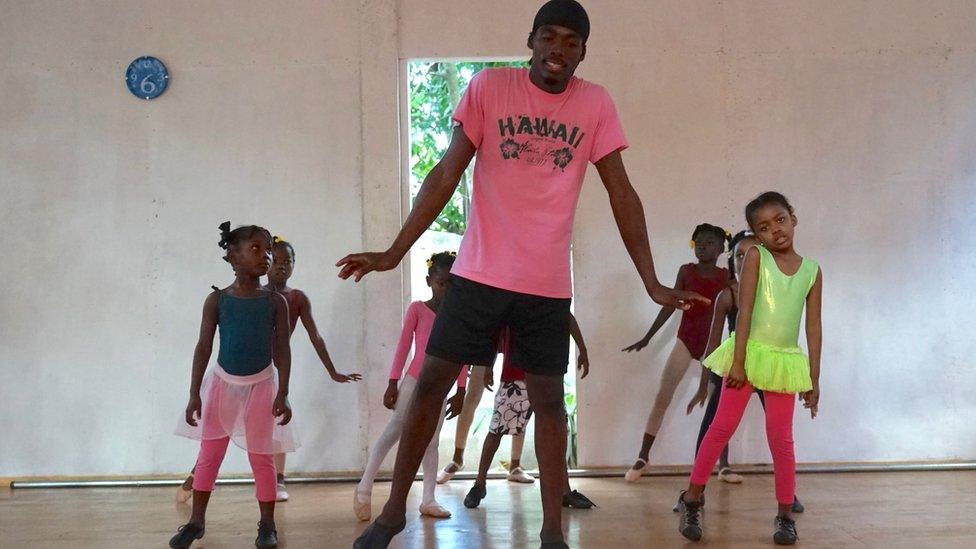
<point>229,238</point>
<point>224,235</point>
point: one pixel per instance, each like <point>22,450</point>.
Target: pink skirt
<point>240,407</point>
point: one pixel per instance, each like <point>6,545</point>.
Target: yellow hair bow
<point>430,262</point>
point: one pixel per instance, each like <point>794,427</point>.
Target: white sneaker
<point>519,475</point>
<point>281,494</point>
<point>447,474</point>
<point>633,475</point>
<point>434,509</point>
<point>362,505</point>
<point>726,475</point>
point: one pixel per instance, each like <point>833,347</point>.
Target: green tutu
<point>768,368</point>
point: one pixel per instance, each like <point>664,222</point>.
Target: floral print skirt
<point>512,410</point>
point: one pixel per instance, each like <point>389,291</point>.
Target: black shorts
<point>473,314</point>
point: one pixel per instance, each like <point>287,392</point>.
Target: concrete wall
<point>863,113</point>
<point>285,113</point>
<point>112,205</point>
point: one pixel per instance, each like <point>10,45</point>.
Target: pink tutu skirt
<point>240,407</point>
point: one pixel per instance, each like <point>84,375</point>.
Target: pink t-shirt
<point>533,148</point>
<point>416,329</point>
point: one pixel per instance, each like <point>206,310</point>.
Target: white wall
<point>113,205</point>
<point>864,114</point>
<point>285,113</point>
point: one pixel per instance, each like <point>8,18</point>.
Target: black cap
<point>564,13</point>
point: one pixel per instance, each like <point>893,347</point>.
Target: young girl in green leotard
<point>776,285</point>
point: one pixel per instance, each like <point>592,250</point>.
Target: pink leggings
<point>212,455</point>
<point>779,435</point>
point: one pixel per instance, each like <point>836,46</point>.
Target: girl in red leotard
<point>708,280</point>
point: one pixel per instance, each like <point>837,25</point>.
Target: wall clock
<point>147,78</point>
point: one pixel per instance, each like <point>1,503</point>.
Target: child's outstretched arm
<point>583,359</point>
<point>722,306</point>
<point>662,318</point>
<point>316,338</point>
<point>282,358</point>
<point>811,398</point>
<point>201,356</point>
<point>747,299</point>
<point>628,212</point>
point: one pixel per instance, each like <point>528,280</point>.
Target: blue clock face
<point>147,78</point>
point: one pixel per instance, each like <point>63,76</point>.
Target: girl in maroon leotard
<point>708,280</point>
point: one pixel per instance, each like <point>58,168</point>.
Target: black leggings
<point>712,407</point>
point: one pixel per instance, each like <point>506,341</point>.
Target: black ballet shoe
<point>677,506</point>
<point>378,536</point>
<point>267,536</point>
<point>690,523</point>
<point>576,500</point>
<point>785,533</point>
<point>475,495</point>
<point>186,535</point>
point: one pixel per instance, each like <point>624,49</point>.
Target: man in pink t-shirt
<point>533,131</point>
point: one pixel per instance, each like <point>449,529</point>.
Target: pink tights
<point>779,435</point>
<point>212,455</point>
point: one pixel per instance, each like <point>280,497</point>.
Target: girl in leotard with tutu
<point>239,398</point>
<point>776,285</point>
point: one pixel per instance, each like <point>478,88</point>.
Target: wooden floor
<point>890,510</point>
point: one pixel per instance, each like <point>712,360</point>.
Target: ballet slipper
<point>725,474</point>
<point>434,509</point>
<point>362,505</point>
<point>633,475</point>
<point>445,475</point>
<point>519,475</point>
<point>182,495</point>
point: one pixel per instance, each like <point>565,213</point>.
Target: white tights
<point>391,435</point>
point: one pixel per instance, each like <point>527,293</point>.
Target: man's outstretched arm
<point>437,189</point>
<point>629,215</point>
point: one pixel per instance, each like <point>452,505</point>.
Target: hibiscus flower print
<point>510,149</point>
<point>562,157</point>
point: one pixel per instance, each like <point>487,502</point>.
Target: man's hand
<point>359,265</point>
<point>679,299</point>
